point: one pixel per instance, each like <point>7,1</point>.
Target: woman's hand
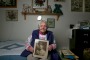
<point>31,49</point>
<point>52,46</point>
<point>49,47</point>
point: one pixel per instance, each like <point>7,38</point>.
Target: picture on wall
<point>77,5</point>
<point>58,0</point>
<point>39,3</point>
<point>8,3</point>
<point>87,5</point>
<point>11,15</point>
<point>51,22</point>
<point>41,48</point>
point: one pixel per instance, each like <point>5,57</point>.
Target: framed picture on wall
<point>59,0</point>
<point>51,22</point>
<point>77,5</point>
<point>39,5</point>
<point>87,5</point>
<point>11,15</point>
<point>40,48</point>
<point>8,3</point>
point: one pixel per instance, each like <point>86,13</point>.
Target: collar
<point>42,33</point>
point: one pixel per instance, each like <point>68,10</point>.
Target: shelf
<point>56,14</point>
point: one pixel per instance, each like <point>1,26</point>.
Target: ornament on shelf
<point>49,9</point>
<point>57,9</point>
<point>27,8</point>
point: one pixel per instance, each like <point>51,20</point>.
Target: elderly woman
<point>43,34</point>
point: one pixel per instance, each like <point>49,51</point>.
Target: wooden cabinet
<point>80,41</point>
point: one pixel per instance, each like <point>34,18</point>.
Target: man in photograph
<point>40,49</point>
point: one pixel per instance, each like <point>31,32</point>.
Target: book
<point>67,54</point>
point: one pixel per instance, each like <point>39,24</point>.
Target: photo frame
<point>11,15</point>
<point>87,5</point>
<point>51,22</point>
<point>41,48</point>
<point>39,4</point>
<point>8,3</point>
<point>76,5</point>
<point>59,0</point>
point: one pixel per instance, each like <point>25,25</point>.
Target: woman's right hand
<point>31,49</point>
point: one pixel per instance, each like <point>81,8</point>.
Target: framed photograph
<point>59,0</point>
<point>87,5</point>
<point>51,22</point>
<point>11,15</point>
<point>41,48</point>
<point>77,5</point>
<point>8,3</point>
<point>83,23</point>
<point>39,5</point>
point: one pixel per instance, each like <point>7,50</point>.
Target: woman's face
<point>41,47</point>
<point>43,27</point>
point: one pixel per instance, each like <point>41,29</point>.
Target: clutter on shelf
<point>85,24</point>
<point>26,8</point>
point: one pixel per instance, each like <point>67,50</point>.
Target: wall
<point>21,29</point>
<point>0,28</point>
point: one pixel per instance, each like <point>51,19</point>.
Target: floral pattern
<point>39,2</point>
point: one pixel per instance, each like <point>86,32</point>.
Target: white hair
<point>42,21</point>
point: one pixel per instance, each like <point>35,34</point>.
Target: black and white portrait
<point>40,48</point>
